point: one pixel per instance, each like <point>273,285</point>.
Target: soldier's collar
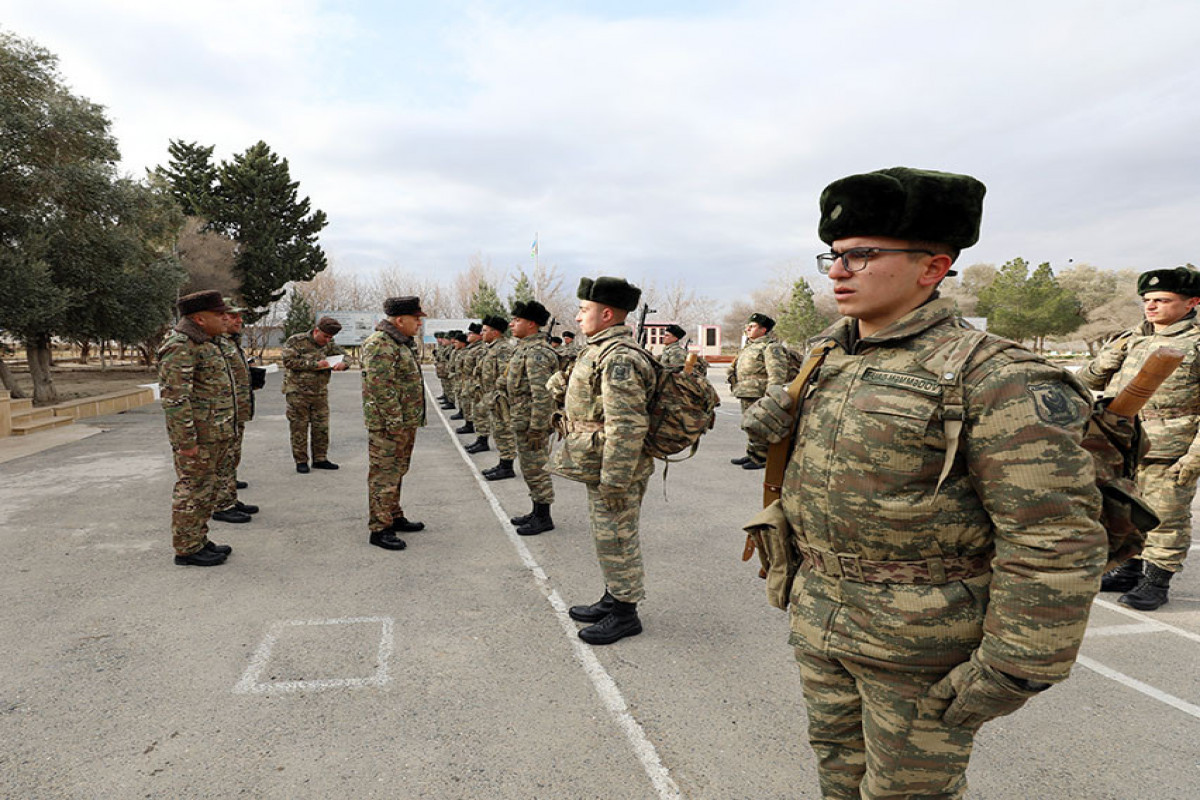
<point>192,330</point>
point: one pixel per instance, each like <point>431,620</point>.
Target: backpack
<point>682,407</point>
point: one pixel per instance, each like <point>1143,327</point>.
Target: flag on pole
<point>533,250</point>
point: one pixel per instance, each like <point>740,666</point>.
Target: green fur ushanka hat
<point>615,292</point>
<point>904,203</point>
<point>1180,280</point>
<point>533,311</point>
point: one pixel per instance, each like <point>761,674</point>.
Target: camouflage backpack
<point>682,407</point>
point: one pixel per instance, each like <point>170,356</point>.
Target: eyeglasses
<point>855,259</point>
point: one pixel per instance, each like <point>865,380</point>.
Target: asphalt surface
<point>314,665</point>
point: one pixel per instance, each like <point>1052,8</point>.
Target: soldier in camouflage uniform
<point>531,407</point>
<point>393,392</point>
<point>197,390</point>
<point>440,351</point>
<point>229,507</point>
<point>492,375</point>
<point>763,362</point>
<point>469,392</point>
<point>607,421</point>
<point>673,353</point>
<point>458,341</point>
<point>306,388</point>
<point>1167,473</point>
<point>929,601</point>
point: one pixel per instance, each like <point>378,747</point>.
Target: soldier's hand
<point>1185,471</point>
<point>979,693</point>
<point>614,498</point>
<point>322,364</point>
<point>770,418</point>
<point>341,365</point>
<point>191,452</point>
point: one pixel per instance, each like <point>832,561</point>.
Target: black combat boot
<point>406,525</point>
<point>200,558</point>
<point>441,398</point>
<point>622,622</point>
<point>1122,578</point>
<point>457,415</point>
<point>213,547</point>
<point>324,464</point>
<point>501,471</point>
<point>540,522</point>
<point>241,484</point>
<point>245,508</point>
<point>468,428</point>
<point>739,461</point>
<point>524,518</point>
<point>1151,592</point>
<point>387,540</point>
<point>446,404</point>
<point>302,467</point>
<point>752,463</point>
<point>480,445</point>
<point>595,612</point>
<point>231,514</point>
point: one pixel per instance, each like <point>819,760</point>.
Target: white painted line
<point>249,684</point>
<point>1139,686</point>
<point>1129,612</point>
<point>1124,630</point>
<point>606,688</point>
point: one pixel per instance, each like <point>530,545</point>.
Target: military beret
<point>676,331</point>
<point>496,322</point>
<point>329,325</point>
<point>904,203</point>
<point>408,305</point>
<point>475,327</point>
<point>210,300</point>
<point>232,307</point>
<point>459,336</point>
<point>1179,280</point>
<point>533,311</point>
<point>761,319</point>
<point>615,292</point>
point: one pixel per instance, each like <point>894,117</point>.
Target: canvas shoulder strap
<point>779,452</point>
<point>949,364</point>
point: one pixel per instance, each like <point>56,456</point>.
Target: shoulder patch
<point>1052,404</point>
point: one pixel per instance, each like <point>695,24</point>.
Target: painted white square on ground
<point>318,654</point>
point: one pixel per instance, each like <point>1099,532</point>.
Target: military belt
<point>930,571</point>
<point>1166,413</point>
<point>584,426</point>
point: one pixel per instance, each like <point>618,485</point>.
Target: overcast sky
<point>658,139</point>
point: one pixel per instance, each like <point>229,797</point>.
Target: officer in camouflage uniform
<point>531,407</point>
<point>607,421</point>
<point>763,362</point>
<point>306,388</point>
<point>1167,473</point>
<point>469,392</point>
<point>491,372</point>
<point>928,603</point>
<point>230,508</point>
<point>197,390</point>
<point>393,392</point>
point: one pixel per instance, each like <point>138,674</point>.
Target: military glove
<point>770,418</point>
<point>1186,470</point>
<point>980,693</point>
<point>614,498</point>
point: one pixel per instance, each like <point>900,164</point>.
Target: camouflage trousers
<point>756,446</point>
<point>227,496</point>
<point>534,451</point>
<point>617,545</point>
<point>876,734</point>
<point>388,457</point>
<point>305,412</point>
<point>463,400</point>
<point>448,388</point>
<point>480,418</point>
<point>1168,544</point>
<point>194,498</point>
<point>501,426</point>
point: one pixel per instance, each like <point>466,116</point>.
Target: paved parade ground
<point>313,665</point>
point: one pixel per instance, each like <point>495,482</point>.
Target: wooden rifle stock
<point>1158,367</point>
<point>690,363</point>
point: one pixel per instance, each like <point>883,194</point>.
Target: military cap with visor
<point>1180,280</point>
<point>609,291</point>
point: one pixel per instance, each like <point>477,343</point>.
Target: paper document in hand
<point>335,360</point>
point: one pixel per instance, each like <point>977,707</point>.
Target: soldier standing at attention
<point>230,508</point>
<point>673,353</point>
<point>393,392</point>
<point>763,362</point>
<point>607,421</point>
<point>1167,473</point>
<point>458,341</point>
<point>198,402</point>
<point>530,408</point>
<point>476,419</point>
<point>929,601</point>
<point>306,388</point>
<point>491,372</point>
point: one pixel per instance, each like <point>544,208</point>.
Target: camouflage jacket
<point>530,401</point>
<point>605,405</point>
<point>468,365</point>
<point>197,388</point>
<point>763,362</point>
<point>393,388</point>
<point>441,360</point>
<point>231,348</point>
<point>301,354</point>
<point>1020,499</point>
<point>673,354</point>
<point>1171,416</point>
<point>491,369</point>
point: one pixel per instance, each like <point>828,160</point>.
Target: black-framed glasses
<point>856,258</point>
